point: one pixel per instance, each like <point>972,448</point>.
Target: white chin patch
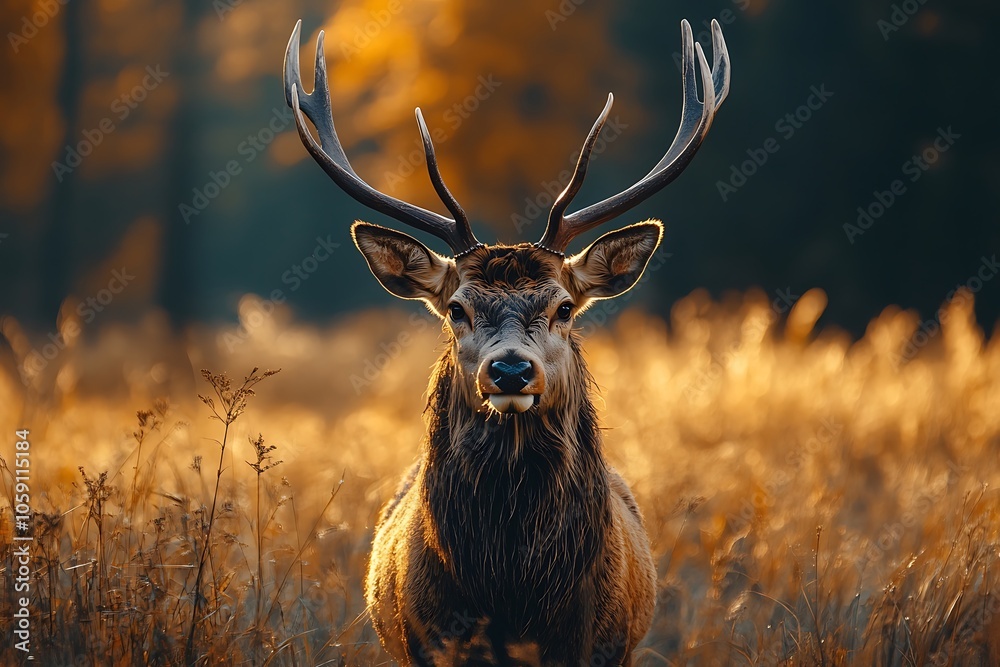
<point>512,402</point>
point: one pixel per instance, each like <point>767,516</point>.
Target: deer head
<point>510,309</point>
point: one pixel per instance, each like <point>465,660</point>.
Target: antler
<point>456,232</point>
<point>696,119</point>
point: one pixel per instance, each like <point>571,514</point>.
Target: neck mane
<point>518,503</point>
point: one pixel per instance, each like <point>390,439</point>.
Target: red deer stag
<point>511,540</point>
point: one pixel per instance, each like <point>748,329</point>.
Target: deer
<point>511,540</point>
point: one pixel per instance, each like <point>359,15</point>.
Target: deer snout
<point>511,382</point>
<point>511,378</point>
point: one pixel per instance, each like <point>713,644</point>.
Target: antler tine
<point>313,103</point>
<point>462,225</point>
<point>330,155</point>
<point>553,240</point>
<point>696,119</point>
<point>720,64</point>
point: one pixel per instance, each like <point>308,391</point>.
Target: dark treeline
<point>856,152</point>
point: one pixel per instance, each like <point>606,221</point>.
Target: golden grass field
<point>810,499</point>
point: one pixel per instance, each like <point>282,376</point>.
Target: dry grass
<point>810,500</point>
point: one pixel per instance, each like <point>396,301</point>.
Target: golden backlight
<point>807,496</point>
<point>810,498</point>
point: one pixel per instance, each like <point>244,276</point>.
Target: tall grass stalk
<point>233,404</point>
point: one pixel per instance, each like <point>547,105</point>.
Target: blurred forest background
<point>151,137</point>
<point>815,456</point>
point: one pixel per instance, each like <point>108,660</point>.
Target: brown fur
<point>511,541</point>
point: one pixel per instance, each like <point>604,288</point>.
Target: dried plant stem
<point>207,540</point>
<point>817,610</point>
<point>260,559</point>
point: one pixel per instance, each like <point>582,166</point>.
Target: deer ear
<point>405,266</point>
<point>612,264</point>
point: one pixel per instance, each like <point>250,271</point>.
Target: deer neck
<point>533,488</point>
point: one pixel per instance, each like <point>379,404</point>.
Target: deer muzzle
<point>510,382</point>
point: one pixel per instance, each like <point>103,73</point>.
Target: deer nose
<point>511,375</point>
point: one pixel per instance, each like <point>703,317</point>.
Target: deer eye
<point>457,312</point>
<point>564,311</point>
